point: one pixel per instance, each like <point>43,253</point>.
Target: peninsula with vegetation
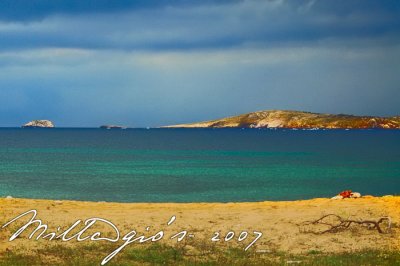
<point>297,120</point>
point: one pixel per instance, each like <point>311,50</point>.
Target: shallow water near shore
<point>196,165</point>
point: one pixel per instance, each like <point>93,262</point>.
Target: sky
<point>153,63</point>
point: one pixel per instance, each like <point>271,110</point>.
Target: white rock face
<point>39,123</point>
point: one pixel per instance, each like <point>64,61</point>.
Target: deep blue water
<point>196,165</point>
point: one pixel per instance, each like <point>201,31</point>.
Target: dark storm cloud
<point>175,25</point>
<point>22,10</point>
<point>151,63</point>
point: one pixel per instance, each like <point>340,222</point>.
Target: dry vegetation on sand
<point>284,239</point>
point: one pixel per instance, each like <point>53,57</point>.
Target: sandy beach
<point>280,222</point>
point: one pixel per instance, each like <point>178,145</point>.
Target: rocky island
<point>297,120</point>
<point>112,127</point>
<point>39,123</point>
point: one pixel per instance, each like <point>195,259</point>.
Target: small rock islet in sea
<point>39,123</point>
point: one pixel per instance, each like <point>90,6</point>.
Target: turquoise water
<point>196,165</point>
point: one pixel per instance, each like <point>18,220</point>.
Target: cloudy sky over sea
<point>152,63</point>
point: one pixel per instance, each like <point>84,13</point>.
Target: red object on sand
<point>345,194</point>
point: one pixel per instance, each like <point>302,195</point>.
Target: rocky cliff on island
<point>297,120</point>
<point>39,123</point>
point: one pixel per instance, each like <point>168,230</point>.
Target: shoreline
<point>10,197</point>
<point>363,197</point>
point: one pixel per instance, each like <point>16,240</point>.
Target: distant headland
<point>273,119</point>
<point>297,120</point>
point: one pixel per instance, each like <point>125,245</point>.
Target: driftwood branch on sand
<point>333,223</point>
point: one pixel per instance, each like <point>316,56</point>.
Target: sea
<point>196,165</point>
